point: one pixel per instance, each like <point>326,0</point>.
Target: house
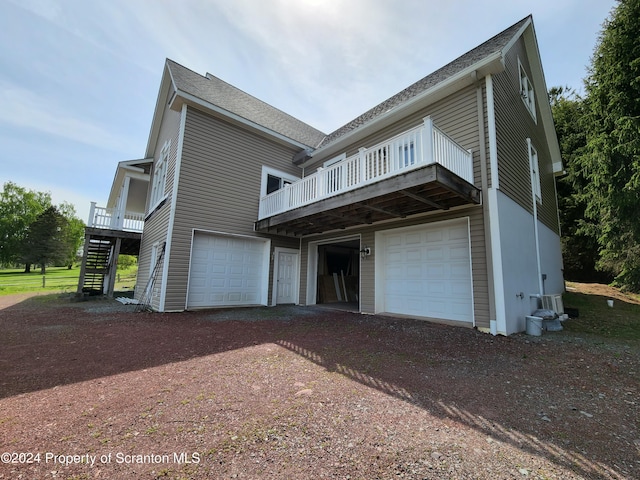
<point>439,203</point>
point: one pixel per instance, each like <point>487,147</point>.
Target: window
<point>273,180</point>
<point>275,183</point>
<point>159,176</point>
<point>535,171</point>
<point>526,91</point>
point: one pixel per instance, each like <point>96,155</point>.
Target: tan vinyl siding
<point>157,223</point>
<point>367,273</point>
<point>219,190</point>
<point>514,124</point>
<point>155,231</point>
<point>367,266</point>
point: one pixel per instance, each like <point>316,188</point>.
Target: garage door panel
<point>225,271</point>
<point>427,271</point>
<point>413,255</point>
<point>433,288</point>
<point>458,233</point>
<point>413,239</point>
<point>459,252</point>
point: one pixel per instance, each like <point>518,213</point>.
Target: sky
<point>79,79</point>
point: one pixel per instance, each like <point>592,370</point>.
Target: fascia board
<point>182,97</point>
<point>492,64</point>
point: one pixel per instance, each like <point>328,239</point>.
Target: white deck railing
<point>114,219</point>
<point>415,148</point>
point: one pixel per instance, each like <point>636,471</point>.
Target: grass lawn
<point>57,279</point>
<point>622,321</point>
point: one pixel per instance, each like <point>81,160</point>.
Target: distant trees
<point>600,141</point>
<point>33,231</point>
<point>611,163</point>
<point>580,248</point>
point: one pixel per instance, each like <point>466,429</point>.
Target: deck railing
<point>417,147</point>
<point>114,219</point>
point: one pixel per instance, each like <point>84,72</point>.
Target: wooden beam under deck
<point>424,189</point>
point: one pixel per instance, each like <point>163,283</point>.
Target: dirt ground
<point>95,390</point>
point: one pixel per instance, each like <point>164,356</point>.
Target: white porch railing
<point>114,219</point>
<point>415,148</point>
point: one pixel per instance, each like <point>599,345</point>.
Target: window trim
<point>527,92</point>
<point>159,182</point>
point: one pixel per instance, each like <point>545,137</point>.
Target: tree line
<point>33,231</point>
<point>599,134</point>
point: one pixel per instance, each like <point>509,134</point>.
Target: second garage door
<point>227,270</point>
<point>426,271</point>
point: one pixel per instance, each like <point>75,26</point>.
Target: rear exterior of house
<point>439,203</point>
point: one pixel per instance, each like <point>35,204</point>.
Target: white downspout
<point>494,220</point>
<point>535,219</point>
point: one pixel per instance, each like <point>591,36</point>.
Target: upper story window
<point>273,180</point>
<point>526,91</point>
<point>535,171</point>
<point>159,176</point>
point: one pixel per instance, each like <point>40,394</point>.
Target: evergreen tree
<point>611,164</point>
<point>579,242</point>
<point>47,239</point>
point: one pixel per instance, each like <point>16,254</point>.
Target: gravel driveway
<point>95,390</point>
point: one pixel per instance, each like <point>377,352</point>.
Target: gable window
<point>535,171</point>
<point>159,176</point>
<point>526,91</point>
<point>273,180</point>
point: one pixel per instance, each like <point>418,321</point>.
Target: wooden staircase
<point>100,258</point>
<point>97,266</point>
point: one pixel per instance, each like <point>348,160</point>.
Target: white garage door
<point>426,271</point>
<point>227,270</point>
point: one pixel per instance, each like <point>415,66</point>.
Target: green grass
<point>595,317</point>
<point>57,279</point>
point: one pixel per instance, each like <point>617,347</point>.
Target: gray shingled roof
<point>223,95</point>
<point>491,46</point>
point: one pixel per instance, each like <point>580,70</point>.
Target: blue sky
<point>79,79</point>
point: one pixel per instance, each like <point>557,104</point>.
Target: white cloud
<point>26,109</point>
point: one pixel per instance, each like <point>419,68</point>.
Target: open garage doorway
<point>337,273</point>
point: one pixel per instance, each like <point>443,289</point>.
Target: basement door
<point>426,271</point>
<point>286,276</point>
<point>227,270</point>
